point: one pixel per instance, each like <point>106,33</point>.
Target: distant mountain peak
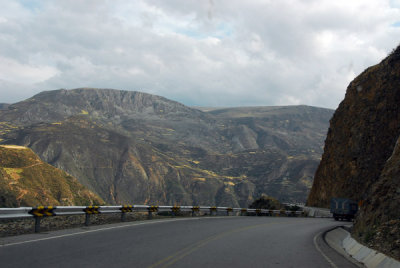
<point>55,105</point>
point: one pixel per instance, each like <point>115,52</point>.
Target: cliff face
<point>362,135</point>
<point>25,180</point>
<point>378,223</point>
<point>361,158</point>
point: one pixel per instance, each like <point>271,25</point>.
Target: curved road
<point>184,242</point>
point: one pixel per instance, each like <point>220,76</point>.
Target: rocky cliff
<point>25,180</point>
<point>132,147</point>
<point>362,135</point>
<point>361,159</point>
<point>378,223</point>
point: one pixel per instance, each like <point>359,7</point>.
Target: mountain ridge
<point>132,147</point>
<point>4,106</point>
<point>100,102</point>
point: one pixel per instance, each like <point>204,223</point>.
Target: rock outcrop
<point>362,135</point>
<point>378,223</point>
<point>361,159</point>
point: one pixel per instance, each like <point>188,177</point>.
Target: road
<point>179,242</point>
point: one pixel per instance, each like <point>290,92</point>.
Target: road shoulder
<point>341,240</point>
<point>333,257</point>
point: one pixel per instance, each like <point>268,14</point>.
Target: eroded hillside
<point>132,147</point>
<point>25,180</point>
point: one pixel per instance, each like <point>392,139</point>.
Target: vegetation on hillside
<point>27,181</point>
<point>266,202</point>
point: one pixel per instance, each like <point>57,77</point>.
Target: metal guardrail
<point>49,211</point>
<point>318,212</point>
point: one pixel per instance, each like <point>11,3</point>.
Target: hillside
<point>133,147</point>
<point>361,158</point>
<point>295,129</point>
<point>4,106</point>
<point>25,180</point>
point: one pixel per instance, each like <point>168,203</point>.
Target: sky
<point>199,52</point>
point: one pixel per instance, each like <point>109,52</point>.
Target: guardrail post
<point>228,210</point>
<point>123,216</point>
<point>40,212</point>
<point>175,210</point>
<point>88,211</point>
<point>195,209</point>
<point>37,224</point>
<point>258,212</point>
<point>282,213</point>
<point>124,209</point>
<point>243,212</point>
<point>87,219</point>
<point>151,209</point>
<point>213,211</point>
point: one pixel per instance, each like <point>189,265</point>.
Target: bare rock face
<point>361,158</point>
<point>362,135</point>
<point>378,223</point>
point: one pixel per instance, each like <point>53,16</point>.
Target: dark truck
<point>343,208</point>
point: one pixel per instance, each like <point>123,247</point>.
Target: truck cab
<point>343,208</point>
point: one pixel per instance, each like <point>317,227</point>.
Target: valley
<point>133,147</point>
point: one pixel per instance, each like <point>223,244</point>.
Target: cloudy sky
<point>198,52</point>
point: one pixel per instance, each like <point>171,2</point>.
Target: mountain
<point>4,106</point>
<point>361,159</point>
<point>25,180</point>
<point>133,147</point>
<point>294,129</point>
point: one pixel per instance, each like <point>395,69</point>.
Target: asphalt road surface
<point>180,242</point>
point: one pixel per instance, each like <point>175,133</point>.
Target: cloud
<point>210,53</point>
<point>12,70</point>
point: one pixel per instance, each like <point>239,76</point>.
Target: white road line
<point>320,251</point>
<point>98,230</point>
